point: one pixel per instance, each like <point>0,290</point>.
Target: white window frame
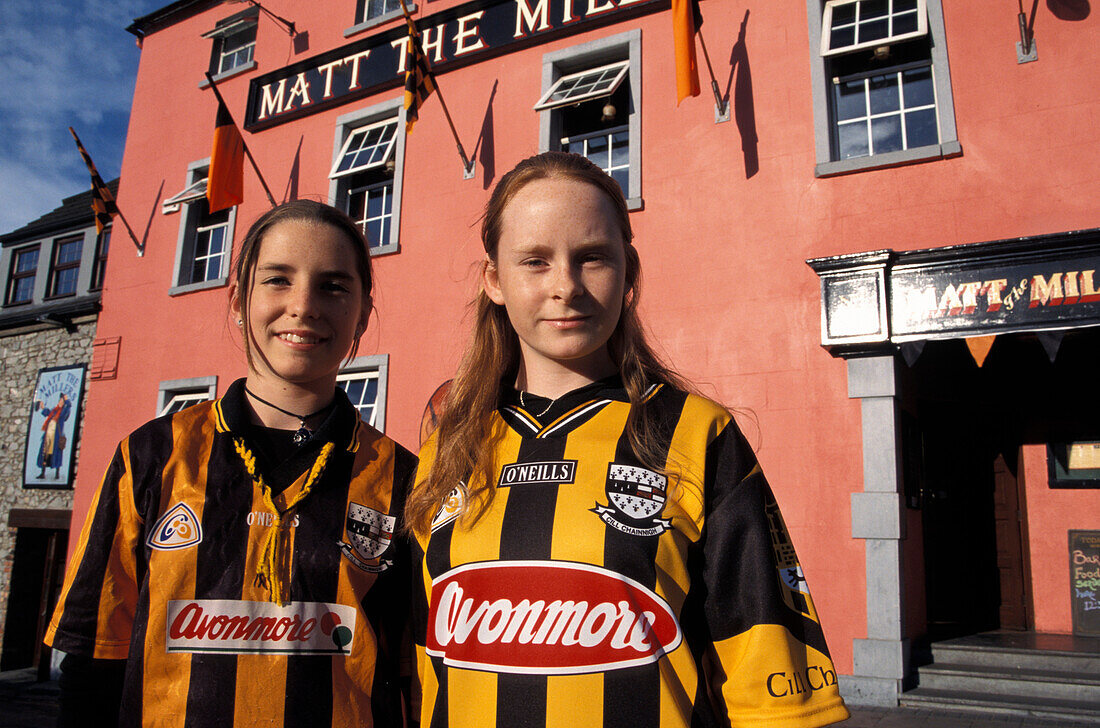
<point>193,205</point>
<point>386,218</point>
<point>891,37</point>
<point>869,117</point>
<point>375,367</point>
<point>615,71</point>
<point>362,23</point>
<point>364,132</point>
<point>824,123</point>
<point>623,47</point>
<point>192,391</point>
<point>227,28</point>
<point>340,185</point>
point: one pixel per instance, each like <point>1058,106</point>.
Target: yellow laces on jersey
<point>274,560</point>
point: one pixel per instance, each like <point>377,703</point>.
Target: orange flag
<point>685,18</point>
<point>225,183</point>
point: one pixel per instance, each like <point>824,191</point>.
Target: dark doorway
<point>971,422</point>
<point>37,569</point>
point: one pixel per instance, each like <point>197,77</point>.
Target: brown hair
<point>308,211</point>
<point>464,442</point>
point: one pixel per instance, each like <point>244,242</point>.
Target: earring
<point>240,322</point>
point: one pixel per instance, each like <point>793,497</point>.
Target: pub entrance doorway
<point>964,471</point>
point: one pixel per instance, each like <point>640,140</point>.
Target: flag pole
<point>467,165</point>
<point>140,246</point>
<point>719,105</point>
<point>247,152</point>
<point>95,173</point>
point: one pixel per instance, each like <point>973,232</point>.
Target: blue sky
<point>66,63</point>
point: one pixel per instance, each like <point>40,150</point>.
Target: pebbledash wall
<point>848,153</point>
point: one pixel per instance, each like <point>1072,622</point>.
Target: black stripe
<point>316,578</point>
<point>526,534</point>
<point>387,605</point>
<point>219,573</point>
<point>438,560</point>
<point>632,696</point>
<point>79,622</point>
<point>440,718</point>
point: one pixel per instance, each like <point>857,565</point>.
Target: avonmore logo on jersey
<point>546,618</point>
<point>236,627</point>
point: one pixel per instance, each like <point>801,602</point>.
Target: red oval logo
<point>546,618</point>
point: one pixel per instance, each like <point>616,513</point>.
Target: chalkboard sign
<point>1084,573</point>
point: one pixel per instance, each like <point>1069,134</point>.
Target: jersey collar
<point>538,417</point>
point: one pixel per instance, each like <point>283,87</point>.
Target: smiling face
<point>305,308</point>
<point>559,273</point>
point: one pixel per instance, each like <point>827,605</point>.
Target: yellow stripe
<point>219,417</point>
<point>183,479</point>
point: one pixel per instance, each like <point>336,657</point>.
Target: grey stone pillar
<point>881,661</point>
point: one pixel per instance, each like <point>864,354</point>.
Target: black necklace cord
<point>303,433</point>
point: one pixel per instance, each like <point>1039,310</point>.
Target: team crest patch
<point>370,533</point>
<point>638,497</point>
<point>179,528</point>
<point>452,507</point>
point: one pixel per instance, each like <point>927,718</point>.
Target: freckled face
<point>307,304</point>
<point>560,274</point>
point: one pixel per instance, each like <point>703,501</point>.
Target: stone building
<point>53,272</point>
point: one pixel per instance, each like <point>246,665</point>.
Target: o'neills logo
<point>230,626</point>
<point>552,471</point>
<point>546,618</point>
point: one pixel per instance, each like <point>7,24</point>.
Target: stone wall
<point>21,356</point>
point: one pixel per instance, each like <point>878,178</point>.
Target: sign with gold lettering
<point>452,38</point>
<point>882,297</point>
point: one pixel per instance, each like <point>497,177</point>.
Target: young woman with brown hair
<point>597,546</point>
<point>237,567</point>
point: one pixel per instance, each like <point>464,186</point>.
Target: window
<point>370,9</point>
<point>205,239</point>
<point>882,93</point>
<point>99,265</point>
<point>234,43</point>
<point>590,102</point>
<point>365,176</point>
<point>24,269</point>
<point>177,394</point>
<point>370,13</point>
<point>364,381</point>
<point>850,25</point>
<point>65,267</point>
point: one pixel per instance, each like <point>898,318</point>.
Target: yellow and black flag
<point>225,184</point>
<point>103,202</point>
<point>419,83</point>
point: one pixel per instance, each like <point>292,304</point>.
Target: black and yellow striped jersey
<point>169,574</point>
<point>597,592</point>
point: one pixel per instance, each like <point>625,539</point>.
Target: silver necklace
<point>540,414</point>
<point>303,434</point>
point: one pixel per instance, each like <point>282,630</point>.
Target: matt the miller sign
<point>451,38</point>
